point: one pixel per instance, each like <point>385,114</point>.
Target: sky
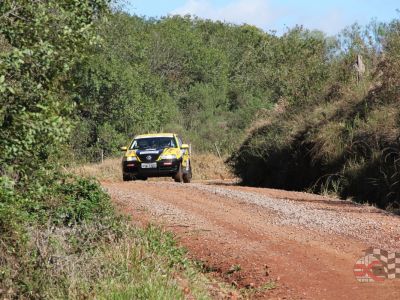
<point>329,16</point>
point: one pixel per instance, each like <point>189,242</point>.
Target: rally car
<point>157,155</point>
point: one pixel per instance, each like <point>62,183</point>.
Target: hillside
<point>344,140</point>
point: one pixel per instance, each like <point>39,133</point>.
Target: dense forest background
<point>206,80</point>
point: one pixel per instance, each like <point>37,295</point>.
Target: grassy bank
<point>349,147</point>
<point>345,140</point>
<point>66,241</point>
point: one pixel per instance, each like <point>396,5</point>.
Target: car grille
<point>144,157</point>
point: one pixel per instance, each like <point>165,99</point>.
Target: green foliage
<point>41,41</point>
<point>346,139</point>
<point>115,92</point>
<point>84,202</point>
<point>59,235</point>
<point>199,78</point>
<point>206,80</point>
<point>299,65</point>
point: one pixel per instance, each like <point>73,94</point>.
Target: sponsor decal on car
<point>148,152</point>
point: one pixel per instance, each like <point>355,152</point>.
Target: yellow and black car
<point>157,155</point>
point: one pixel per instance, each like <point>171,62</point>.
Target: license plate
<point>149,166</point>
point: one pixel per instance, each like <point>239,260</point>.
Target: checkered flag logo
<point>389,261</point>
<point>369,269</point>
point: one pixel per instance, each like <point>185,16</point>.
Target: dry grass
<point>347,146</point>
<point>205,167</point>
<point>110,170</point>
<point>141,264</point>
<point>210,167</point>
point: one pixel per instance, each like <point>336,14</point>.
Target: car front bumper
<point>164,168</point>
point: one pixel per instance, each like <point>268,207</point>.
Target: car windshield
<point>153,143</point>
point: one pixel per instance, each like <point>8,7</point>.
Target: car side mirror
<point>185,146</point>
<point>124,148</point>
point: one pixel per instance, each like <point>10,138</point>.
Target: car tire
<point>144,178</point>
<point>126,177</point>
<point>187,177</point>
<point>178,177</point>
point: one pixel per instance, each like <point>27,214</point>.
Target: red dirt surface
<point>253,236</point>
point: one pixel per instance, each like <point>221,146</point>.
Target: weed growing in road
<point>233,269</point>
<point>251,292</point>
<point>205,268</point>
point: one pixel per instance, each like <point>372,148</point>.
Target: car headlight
<point>131,158</point>
<point>170,156</point>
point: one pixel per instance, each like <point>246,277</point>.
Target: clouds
<point>254,12</point>
<point>267,14</point>
<point>330,22</point>
<point>329,16</point>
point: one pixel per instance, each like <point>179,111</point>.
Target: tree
<point>40,42</point>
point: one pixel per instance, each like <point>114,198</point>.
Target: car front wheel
<point>178,177</point>
<point>126,177</point>
<point>187,176</point>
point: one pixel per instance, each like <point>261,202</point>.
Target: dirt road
<point>306,244</point>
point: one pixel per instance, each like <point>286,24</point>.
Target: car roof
<point>150,135</point>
